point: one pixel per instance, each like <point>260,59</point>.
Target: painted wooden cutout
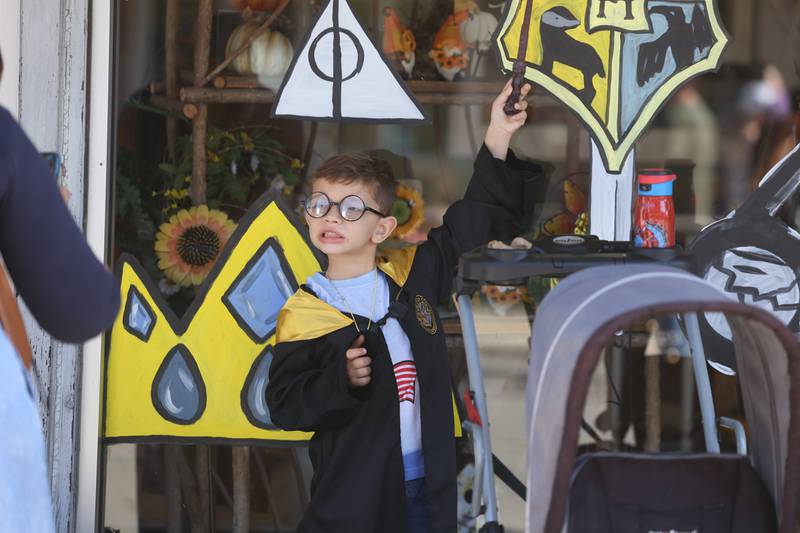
<point>614,63</point>
<point>202,377</point>
<point>339,75</point>
<point>754,257</point>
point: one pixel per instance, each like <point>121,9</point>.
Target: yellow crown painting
<point>202,377</point>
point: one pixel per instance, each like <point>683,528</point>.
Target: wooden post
<point>199,156</point>
<point>171,67</point>
<point>189,111</point>
<point>262,473</point>
<point>172,478</point>
<point>652,403</point>
<point>241,489</point>
<point>198,517</point>
<point>377,21</point>
<point>202,49</point>
<point>611,199</point>
<point>202,468</point>
<point>444,173</point>
<point>309,151</point>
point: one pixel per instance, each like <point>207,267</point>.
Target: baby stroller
<point>755,491</point>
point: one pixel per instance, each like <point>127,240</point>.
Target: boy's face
<point>333,235</point>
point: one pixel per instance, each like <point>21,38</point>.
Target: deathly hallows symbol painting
<point>339,75</point>
<point>613,62</point>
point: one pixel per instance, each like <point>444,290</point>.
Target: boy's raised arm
<point>501,126</point>
<point>499,201</point>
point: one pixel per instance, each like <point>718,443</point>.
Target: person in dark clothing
<point>70,293</point>
<point>360,357</point>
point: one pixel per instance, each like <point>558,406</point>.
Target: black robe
<point>358,483</point>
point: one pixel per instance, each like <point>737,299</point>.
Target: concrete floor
<point>503,342</point>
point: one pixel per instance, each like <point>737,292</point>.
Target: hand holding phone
<point>53,161</point>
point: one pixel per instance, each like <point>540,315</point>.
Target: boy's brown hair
<point>365,169</point>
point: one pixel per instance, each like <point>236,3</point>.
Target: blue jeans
<point>419,516</point>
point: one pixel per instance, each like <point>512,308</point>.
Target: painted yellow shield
<point>613,62</point>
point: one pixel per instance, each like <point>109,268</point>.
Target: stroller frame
<point>548,265</point>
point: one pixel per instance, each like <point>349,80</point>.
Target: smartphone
<point>53,161</point>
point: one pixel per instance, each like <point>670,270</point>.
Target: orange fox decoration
<point>399,43</point>
<point>449,52</point>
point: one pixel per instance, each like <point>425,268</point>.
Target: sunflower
<point>189,244</point>
<point>408,209</point>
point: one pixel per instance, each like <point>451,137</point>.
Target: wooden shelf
<point>544,107</point>
<point>417,86</point>
<point>246,90</point>
<point>193,95</point>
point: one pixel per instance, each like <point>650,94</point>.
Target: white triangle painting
<point>339,75</point>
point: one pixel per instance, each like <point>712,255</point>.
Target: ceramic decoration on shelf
<point>268,57</point>
<point>478,28</point>
<point>449,52</point>
<point>408,209</point>
<point>399,44</point>
<point>501,298</point>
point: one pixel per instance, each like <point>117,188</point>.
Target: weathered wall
<point>9,46</point>
<point>52,110</point>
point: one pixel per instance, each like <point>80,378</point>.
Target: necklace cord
<point>350,307</point>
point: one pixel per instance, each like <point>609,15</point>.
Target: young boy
<point>360,357</point>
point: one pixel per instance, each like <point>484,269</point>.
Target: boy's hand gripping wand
<point>519,62</point>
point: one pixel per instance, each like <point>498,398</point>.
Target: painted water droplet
<point>179,393</point>
<point>139,318</point>
<point>254,393</point>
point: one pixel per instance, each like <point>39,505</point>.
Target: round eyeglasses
<point>351,207</point>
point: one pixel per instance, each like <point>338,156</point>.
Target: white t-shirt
<point>358,299</point>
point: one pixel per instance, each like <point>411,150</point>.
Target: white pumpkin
<point>268,57</point>
<point>478,29</point>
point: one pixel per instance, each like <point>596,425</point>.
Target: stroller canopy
<point>577,320</point>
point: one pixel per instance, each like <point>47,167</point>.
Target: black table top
<point>556,257</point>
